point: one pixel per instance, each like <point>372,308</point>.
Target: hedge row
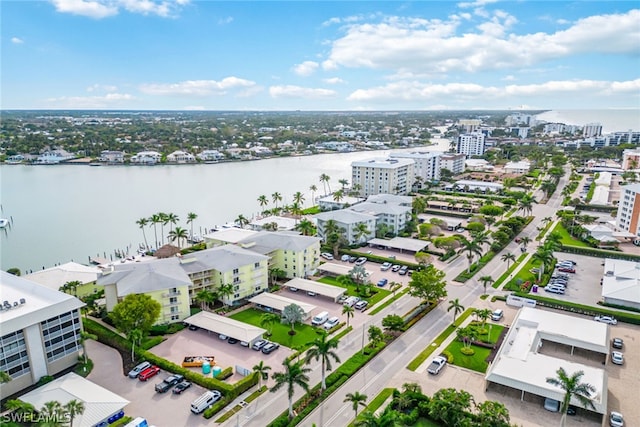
<point>380,259</point>
<point>448,213</point>
<point>112,339</point>
<point>601,253</point>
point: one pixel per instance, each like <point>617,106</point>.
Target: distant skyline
<point>319,56</point>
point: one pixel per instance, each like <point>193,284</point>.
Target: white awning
<point>278,303</point>
<point>331,291</point>
<point>226,326</point>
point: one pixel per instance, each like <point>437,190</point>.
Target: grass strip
<point>388,302</point>
<point>343,333</point>
<point>424,354</point>
<point>508,272</point>
<point>376,402</point>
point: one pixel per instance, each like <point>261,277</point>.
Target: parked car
<point>385,266</point>
<point>617,343</point>
<point>269,348</point>
<point>193,328</point>
<point>311,294</point>
<point>497,315</point>
<point>361,305</point>
<point>333,321</point>
<point>326,255</point>
<point>222,337</point>
<point>616,419</point>
<point>403,270</point>
<point>395,268</point>
<point>342,299</point>
<point>567,269</point>
<point>293,289</point>
<point>232,340</point>
<point>352,259</point>
<point>148,373</point>
<point>205,401</point>
<point>617,357</point>
<point>344,258</point>
<point>139,368</point>
<point>606,319</point>
<point>361,260</point>
<point>382,282</point>
<point>259,344</point>
<point>572,410</point>
<point>168,382</point>
<point>244,343</point>
<point>568,261</point>
<point>182,386</point>
<point>551,405</point>
<point>554,290</point>
<point>436,365</point>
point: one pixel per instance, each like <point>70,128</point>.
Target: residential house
<point>211,156</point>
<point>391,216</point>
<point>181,157</point>
<point>273,223</point>
<point>518,168</point>
<point>146,158</point>
<point>112,157</point>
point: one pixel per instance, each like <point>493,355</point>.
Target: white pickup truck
<point>436,365</point>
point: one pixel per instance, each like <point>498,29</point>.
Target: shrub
<point>448,355</point>
<point>467,351</point>
<point>217,407</point>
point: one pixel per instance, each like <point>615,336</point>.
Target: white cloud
<point>289,91</point>
<point>306,68</point>
<point>16,40</point>
<point>333,80</point>
<point>474,4</point>
<point>83,102</point>
<point>99,9</point>
<point>433,46</point>
<point>197,87</point>
<point>101,88</point>
<point>509,78</point>
<point>414,91</point>
<point>225,21</point>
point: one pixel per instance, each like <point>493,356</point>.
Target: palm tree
<point>357,399</point>
<point>263,201</point>
<point>508,257</point>
<point>242,221</point>
<point>456,307</point>
<point>155,220</point>
<point>162,217</point>
<point>52,410</point>
<point>178,234</point>
<point>205,297</point>
<point>472,248</point>
<point>361,231</point>
<point>343,182</point>
<point>322,348</point>
<point>71,286</point>
<point>142,223</point>
<point>267,320</point>
<point>545,257</point>
<point>306,227</point>
<point>190,218</point>
<point>172,219</point>
<point>294,374</point>
<point>324,179</point>
<point>525,241</point>
<point>338,195</point>
<point>276,197</point>
<point>263,372</point>
<point>19,407</point>
<point>526,204</point>
<point>84,336</point>
<point>135,336</point>
<point>73,408</point>
<point>485,280</point>
<point>4,377</point>
<point>224,292</point>
<point>298,198</point>
<point>348,311</point>
<point>313,190</point>
<point>572,388</point>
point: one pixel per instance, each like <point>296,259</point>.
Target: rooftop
<point>57,276</point>
<point>380,208</point>
<point>278,302</point>
<point>229,235</point>
<point>403,243</point>
<point>144,277</point>
<point>268,241</point>
<point>317,287</point>
<point>621,280</point>
<point>345,216</point>
<point>385,163</point>
<point>222,258</point>
<point>390,199</point>
<point>226,326</point>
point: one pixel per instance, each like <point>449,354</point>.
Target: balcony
<point>171,294</point>
<point>171,304</point>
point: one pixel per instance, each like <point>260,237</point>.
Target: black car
<point>168,383</point>
<point>181,387</point>
<point>232,340</point>
<point>269,348</point>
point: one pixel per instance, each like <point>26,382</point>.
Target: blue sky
<point>319,55</point>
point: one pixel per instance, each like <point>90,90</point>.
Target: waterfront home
<point>349,221</point>
<point>328,203</point>
<point>210,156</point>
<point>40,332</point>
<point>54,157</point>
<point>273,223</point>
<point>227,235</point>
<point>181,157</point>
<point>295,255</point>
<point>146,158</point>
<point>58,276</point>
<point>112,157</point>
<point>394,217</point>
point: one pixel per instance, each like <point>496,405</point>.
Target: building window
<point>256,265</point>
<point>236,271</point>
<point>13,354</point>
<point>61,335</point>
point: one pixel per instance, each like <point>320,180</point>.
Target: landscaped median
<point>510,270</point>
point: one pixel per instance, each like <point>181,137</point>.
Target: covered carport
<point>323,289</point>
<point>400,244</point>
<point>225,326</point>
<point>332,269</point>
<point>272,302</point>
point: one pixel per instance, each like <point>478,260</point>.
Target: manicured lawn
<point>506,274</point>
<point>305,334</point>
<point>476,362</point>
<point>379,294</point>
<point>567,239</point>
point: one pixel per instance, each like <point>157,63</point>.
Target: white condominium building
<point>471,144</point>
<point>427,163</point>
<point>452,162</point>
<point>628,218</point>
<point>376,176</point>
<point>40,332</point>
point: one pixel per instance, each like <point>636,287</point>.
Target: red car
<point>148,373</point>
<point>567,269</point>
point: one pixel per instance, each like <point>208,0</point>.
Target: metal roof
<point>278,302</point>
<point>226,326</point>
<point>319,288</point>
<point>55,277</point>
<point>402,243</point>
<point>339,269</point>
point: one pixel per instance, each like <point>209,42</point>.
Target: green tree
<point>423,258</point>
<point>428,284</point>
<point>361,231</point>
<point>262,200</point>
<point>155,219</point>
<point>224,292</point>
<point>492,414</point>
<point>293,374</point>
<point>71,287</point>
<point>163,219</point>
<point>524,241</point>
<point>467,335</point>
<point>573,388</point>
<point>178,234</point>
<point>313,188</point>
<point>136,311</point>
<point>324,179</point>
<point>15,271</point>
<point>306,227</point>
<point>135,336</point>
<point>508,257</point>
<point>263,372</point>
<point>276,197</point>
<point>142,223</point>
<point>242,221</point>
<point>357,399</point>
<point>375,336</point>
<point>451,406</point>
<point>471,248</point>
<point>298,198</point>
<point>267,320</point>
<point>393,323</point>
<point>73,408</point>
<point>388,418</point>
<point>291,315</point>
<point>172,219</point>
<point>84,336</point>
<point>418,205</point>
<point>545,257</point>
<point>191,217</point>
<point>323,348</point>
<point>19,407</point>
<point>4,377</point>
<point>205,297</point>
<point>456,307</point>
<point>486,280</point>
<point>348,311</point>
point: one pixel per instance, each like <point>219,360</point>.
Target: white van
<point>351,301</point>
<point>205,401</point>
<point>497,315</point>
<point>320,318</point>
